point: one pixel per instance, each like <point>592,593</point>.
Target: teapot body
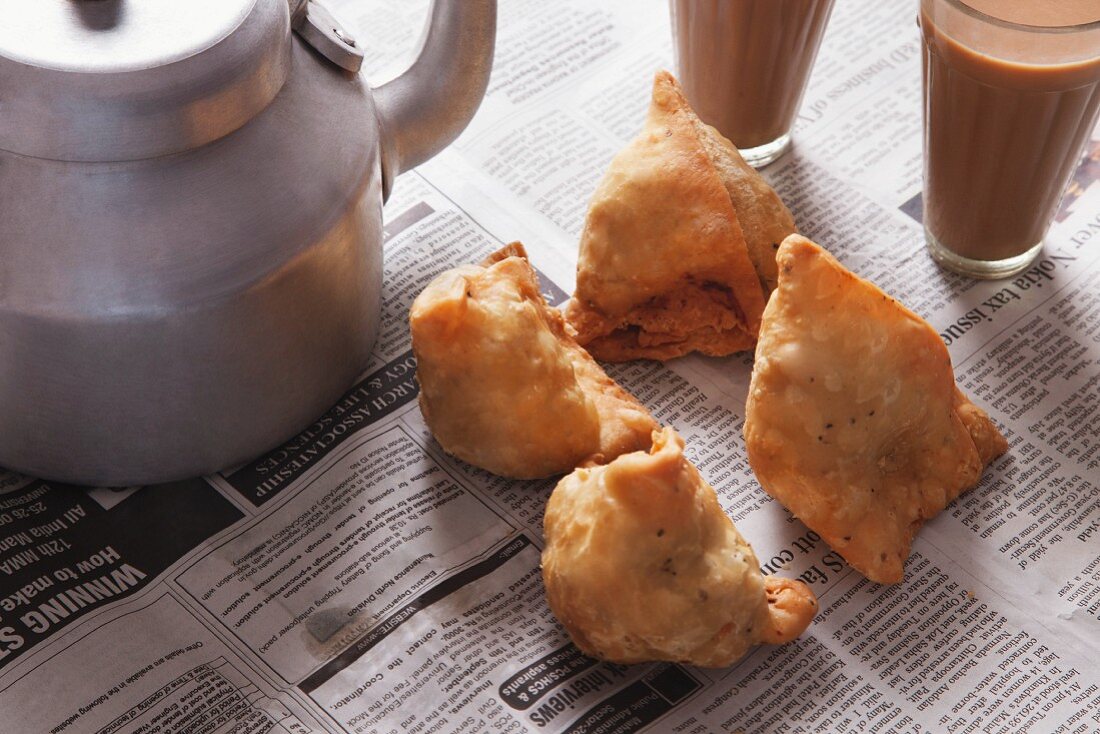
<point>191,221</point>
<point>173,315</point>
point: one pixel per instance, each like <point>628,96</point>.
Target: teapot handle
<point>424,109</point>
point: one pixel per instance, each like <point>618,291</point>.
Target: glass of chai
<point>1011,95</point>
<point>744,65</point>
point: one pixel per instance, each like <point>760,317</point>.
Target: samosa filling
<point>687,311</point>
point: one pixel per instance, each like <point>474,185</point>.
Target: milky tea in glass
<point>1011,95</point>
<point>744,65</point>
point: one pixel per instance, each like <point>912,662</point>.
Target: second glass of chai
<point>744,65</point>
<point>1011,96</point>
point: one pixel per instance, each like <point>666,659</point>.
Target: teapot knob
<point>320,29</point>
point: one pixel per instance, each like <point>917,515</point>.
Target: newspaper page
<point>358,579</point>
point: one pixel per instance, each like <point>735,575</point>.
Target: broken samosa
<point>678,248</point>
<point>504,387</point>
<point>854,421</point>
<point>642,564</point>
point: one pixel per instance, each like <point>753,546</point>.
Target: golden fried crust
<point>503,386</point>
<point>987,439</point>
<point>764,217</point>
<point>853,419</point>
<point>663,258</point>
<point>641,564</point>
<point>625,424</point>
<point>791,608</point>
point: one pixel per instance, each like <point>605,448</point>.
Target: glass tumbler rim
<point>966,9</point>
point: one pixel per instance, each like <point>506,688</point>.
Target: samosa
<point>642,564</point>
<point>854,421</point>
<point>504,387</point>
<point>678,248</point>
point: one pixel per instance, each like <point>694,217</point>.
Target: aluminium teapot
<point>191,221</point>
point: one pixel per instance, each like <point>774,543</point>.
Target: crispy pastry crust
<point>641,564</point>
<point>853,419</point>
<point>503,386</point>
<point>765,219</point>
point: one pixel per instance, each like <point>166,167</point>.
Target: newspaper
<point>358,579</point>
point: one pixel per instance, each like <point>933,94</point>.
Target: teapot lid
<point>112,80</point>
